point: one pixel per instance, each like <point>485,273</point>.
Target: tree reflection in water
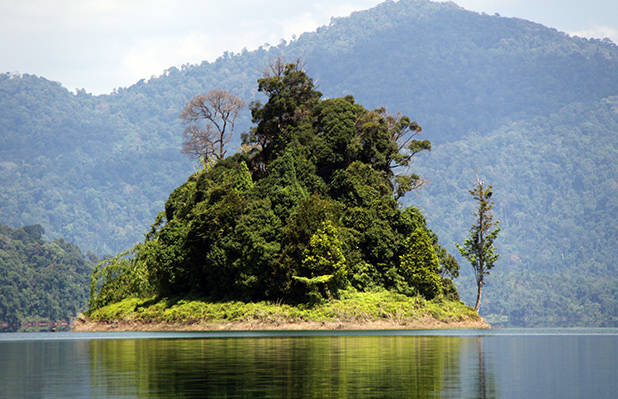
<point>300,367</point>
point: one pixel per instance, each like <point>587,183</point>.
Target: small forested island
<point>300,229</point>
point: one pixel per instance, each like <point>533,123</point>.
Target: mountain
<point>40,280</point>
<point>555,187</point>
<point>530,108</point>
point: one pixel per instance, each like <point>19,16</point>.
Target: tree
<point>420,265</point>
<point>324,262</point>
<point>210,122</point>
<point>403,132</point>
<point>291,96</point>
<point>307,211</point>
<point>479,248</point>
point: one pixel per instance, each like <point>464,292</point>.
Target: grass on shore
<point>352,306</point>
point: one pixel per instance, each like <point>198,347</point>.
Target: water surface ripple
<point>501,363</point>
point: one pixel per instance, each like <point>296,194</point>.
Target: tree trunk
<point>478,297</point>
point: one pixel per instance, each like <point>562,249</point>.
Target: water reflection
<point>44,369</point>
<point>338,367</point>
<point>505,364</point>
<point>486,379</point>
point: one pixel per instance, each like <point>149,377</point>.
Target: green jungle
<point>41,280</point>
<point>306,211</point>
<point>530,109</point>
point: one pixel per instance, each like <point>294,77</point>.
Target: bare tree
<point>209,121</point>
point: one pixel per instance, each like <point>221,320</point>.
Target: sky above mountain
<point>99,45</point>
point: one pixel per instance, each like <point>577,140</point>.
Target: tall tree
<point>291,97</point>
<point>404,132</point>
<point>479,248</point>
<point>210,122</point>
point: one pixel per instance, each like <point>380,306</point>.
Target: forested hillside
<point>526,106</point>
<point>307,210</point>
<point>556,187</point>
<point>39,279</point>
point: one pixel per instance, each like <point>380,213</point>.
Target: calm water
<point>559,363</point>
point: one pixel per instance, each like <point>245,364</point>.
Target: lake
<point>501,363</point>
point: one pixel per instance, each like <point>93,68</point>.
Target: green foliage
<point>257,244</point>
<point>290,95</point>
<point>420,265</point>
<point>248,228</point>
<point>323,269</point>
<point>449,267</point>
<point>515,99</point>
<point>359,185</point>
<point>117,278</point>
<point>39,279</point>
<point>352,306</point>
<point>479,248</point>
<point>449,290</point>
<point>324,254</point>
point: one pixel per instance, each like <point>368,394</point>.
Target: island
<point>300,229</point>
<point>352,311</point>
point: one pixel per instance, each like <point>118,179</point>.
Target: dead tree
<point>209,121</point>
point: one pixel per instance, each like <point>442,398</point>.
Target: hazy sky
<point>102,44</point>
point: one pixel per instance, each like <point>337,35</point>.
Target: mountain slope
<point>96,169</point>
<point>40,280</point>
<point>452,70</point>
<point>556,192</point>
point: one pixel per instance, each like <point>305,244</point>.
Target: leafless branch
<point>209,121</point>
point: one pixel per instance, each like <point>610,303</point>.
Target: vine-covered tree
<point>479,248</point>
<point>291,96</point>
<point>210,122</point>
<point>307,210</point>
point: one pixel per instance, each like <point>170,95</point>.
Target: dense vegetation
<point>556,197</point>
<point>526,106</point>
<point>40,280</point>
<point>308,208</point>
<point>96,169</point>
<point>352,308</point>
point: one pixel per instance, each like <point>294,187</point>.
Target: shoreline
<point>381,310</point>
<point>83,324</point>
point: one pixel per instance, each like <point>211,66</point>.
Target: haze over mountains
<point>527,107</point>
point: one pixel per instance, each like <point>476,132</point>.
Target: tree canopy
<point>308,208</point>
<point>40,280</point>
<point>513,98</point>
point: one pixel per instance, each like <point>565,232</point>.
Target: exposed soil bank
<point>84,324</point>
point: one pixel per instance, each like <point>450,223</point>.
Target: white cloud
<point>103,44</point>
<point>598,32</point>
<point>305,22</point>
